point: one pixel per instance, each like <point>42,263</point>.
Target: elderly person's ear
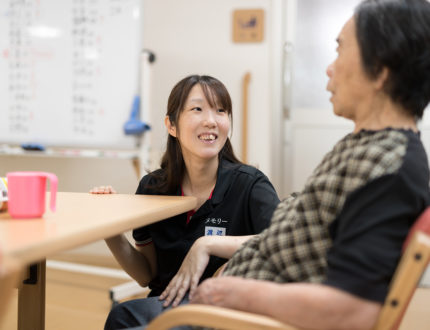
<point>382,78</point>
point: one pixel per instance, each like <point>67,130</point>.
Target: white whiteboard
<point>68,71</point>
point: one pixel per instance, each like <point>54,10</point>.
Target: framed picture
<point>248,25</point>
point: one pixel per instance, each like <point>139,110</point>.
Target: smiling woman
<point>235,202</point>
<point>202,129</point>
<point>196,103</point>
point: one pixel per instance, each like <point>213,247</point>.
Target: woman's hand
<point>195,263</point>
<point>188,276</point>
<point>102,190</point>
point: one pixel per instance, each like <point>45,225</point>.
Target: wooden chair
<point>10,274</point>
<point>412,265</point>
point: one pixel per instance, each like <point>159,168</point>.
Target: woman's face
<point>349,85</point>
<point>203,130</point>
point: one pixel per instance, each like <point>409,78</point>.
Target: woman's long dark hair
<point>173,162</point>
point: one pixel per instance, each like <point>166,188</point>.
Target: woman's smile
<point>208,137</point>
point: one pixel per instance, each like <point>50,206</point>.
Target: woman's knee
<point>134,313</point>
<point>121,316</point>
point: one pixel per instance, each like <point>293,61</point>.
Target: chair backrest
<point>412,265</point>
<point>422,224</point>
<point>10,273</point>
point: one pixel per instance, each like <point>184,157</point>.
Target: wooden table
<point>80,218</point>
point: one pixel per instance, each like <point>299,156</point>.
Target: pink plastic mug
<point>27,193</point>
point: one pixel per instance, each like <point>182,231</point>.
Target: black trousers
<point>136,314</point>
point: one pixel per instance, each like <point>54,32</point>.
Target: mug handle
<point>54,183</point>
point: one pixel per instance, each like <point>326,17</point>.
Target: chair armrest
<point>215,317</point>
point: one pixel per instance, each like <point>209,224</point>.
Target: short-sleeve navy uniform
<point>242,203</point>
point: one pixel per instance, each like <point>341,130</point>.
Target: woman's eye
<point>197,109</point>
<point>221,110</point>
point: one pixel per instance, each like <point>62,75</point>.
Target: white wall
<point>195,36</point>
<point>311,140</point>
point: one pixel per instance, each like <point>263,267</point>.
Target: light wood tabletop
<point>80,218</point>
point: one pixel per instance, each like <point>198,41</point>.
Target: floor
<point>81,301</point>
<point>73,301</point>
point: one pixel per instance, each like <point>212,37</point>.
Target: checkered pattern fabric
<point>294,247</point>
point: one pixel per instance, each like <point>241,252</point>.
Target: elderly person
<point>328,257</point>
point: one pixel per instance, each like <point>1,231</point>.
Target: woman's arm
<point>195,262</point>
<point>305,305</point>
<point>139,262</point>
<point>221,246</point>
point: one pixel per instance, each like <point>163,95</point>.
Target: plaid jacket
<point>294,247</point>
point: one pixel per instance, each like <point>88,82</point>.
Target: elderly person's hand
<point>221,291</point>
